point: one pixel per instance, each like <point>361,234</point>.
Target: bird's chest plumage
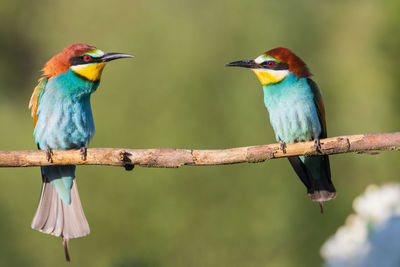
<point>64,119</point>
<point>293,114</point>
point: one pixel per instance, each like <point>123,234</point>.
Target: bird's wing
<point>320,106</point>
<point>37,93</point>
<point>314,172</point>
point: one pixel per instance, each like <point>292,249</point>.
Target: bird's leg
<point>49,154</point>
<point>321,206</point>
<point>83,151</point>
<point>317,144</point>
<point>282,146</point>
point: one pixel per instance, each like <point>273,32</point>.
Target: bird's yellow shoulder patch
<point>91,72</point>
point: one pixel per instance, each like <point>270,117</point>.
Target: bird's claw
<point>282,146</point>
<point>83,152</point>
<point>317,144</point>
<point>49,154</point>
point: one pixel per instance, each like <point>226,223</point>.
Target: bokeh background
<point>177,93</point>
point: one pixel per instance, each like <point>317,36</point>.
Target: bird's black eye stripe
<point>273,65</point>
<point>84,60</point>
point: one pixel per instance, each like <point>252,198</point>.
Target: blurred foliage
<point>177,93</point>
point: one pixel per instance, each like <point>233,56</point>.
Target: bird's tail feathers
<point>320,195</point>
<point>318,190</point>
<point>54,216</point>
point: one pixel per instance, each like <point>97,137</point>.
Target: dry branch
<point>170,158</point>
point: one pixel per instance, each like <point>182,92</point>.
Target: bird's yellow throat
<point>91,72</point>
<point>270,76</point>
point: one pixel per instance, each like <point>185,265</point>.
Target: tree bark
<point>173,158</point>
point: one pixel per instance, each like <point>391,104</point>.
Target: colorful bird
<point>296,114</point>
<point>63,119</point>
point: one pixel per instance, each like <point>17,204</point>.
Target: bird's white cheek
<point>270,76</point>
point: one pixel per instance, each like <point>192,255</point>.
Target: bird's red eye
<point>270,63</point>
<point>87,58</point>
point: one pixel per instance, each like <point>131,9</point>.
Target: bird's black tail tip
<point>65,245</point>
<point>321,206</point>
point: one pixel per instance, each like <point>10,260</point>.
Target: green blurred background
<point>177,93</point>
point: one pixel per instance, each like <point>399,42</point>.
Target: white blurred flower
<point>347,244</point>
<point>371,236</point>
<point>378,203</point>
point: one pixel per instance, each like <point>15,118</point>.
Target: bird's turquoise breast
<point>64,114</point>
<point>292,111</point>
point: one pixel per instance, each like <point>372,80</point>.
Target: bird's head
<point>84,60</point>
<point>274,66</point>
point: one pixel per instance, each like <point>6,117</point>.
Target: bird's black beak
<point>244,64</point>
<point>111,56</point>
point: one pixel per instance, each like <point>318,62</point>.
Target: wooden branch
<point>173,158</point>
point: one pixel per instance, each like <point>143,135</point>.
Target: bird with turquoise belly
<point>62,115</point>
<point>296,113</point>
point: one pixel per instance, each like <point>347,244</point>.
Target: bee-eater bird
<point>63,119</point>
<point>296,114</point>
